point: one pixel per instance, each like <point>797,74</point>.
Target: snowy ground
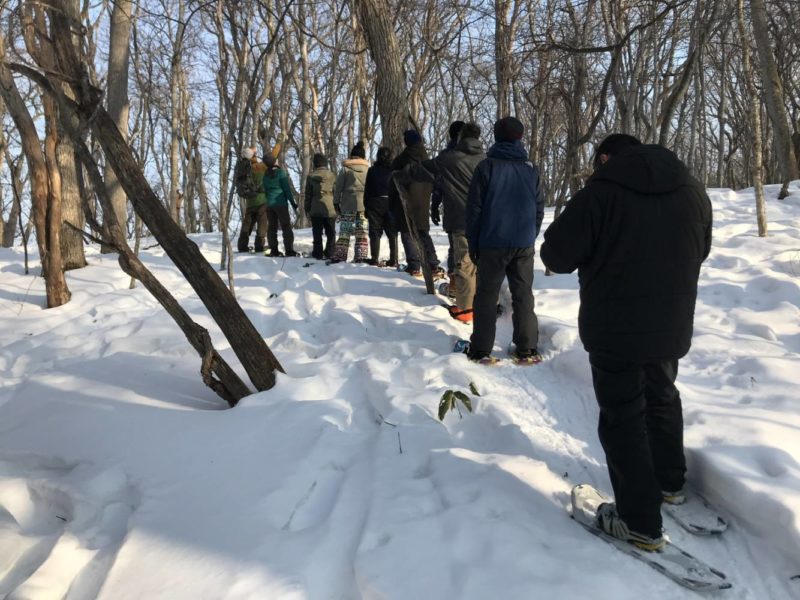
<point>123,477</point>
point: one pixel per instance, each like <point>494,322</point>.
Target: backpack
<point>243,179</point>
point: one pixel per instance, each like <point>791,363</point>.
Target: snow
<point>123,477</point>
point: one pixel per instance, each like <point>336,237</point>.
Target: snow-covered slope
<point>123,477</point>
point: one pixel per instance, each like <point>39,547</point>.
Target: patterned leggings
<point>347,224</point>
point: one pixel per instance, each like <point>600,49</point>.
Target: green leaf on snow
<point>473,389</point>
<point>446,404</point>
<point>464,400</point>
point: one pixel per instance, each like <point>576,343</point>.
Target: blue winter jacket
<point>504,207</point>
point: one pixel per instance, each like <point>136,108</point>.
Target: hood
<point>508,151</point>
<point>470,146</point>
<point>415,152</point>
<point>647,169</point>
<point>356,164</point>
<point>259,167</point>
<point>319,172</point>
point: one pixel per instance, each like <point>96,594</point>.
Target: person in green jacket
<point>348,197</point>
<point>279,197</point>
<point>319,206</point>
<point>248,174</point>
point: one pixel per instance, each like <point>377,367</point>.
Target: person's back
<point>510,207</point>
<point>637,233</point>
<point>350,185</point>
<point>456,167</point>
<point>504,213</point>
<point>320,192</point>
<point>651,224</point>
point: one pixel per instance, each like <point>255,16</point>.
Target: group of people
<point>265,191</point>
<point>637,234</point>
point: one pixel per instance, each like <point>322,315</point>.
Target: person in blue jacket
<point>504,215</point>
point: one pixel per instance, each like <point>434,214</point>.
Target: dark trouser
<point>381,220</point>
<point>413,259</point>
<point>257,214</point>
<point>641,430</point>
<point>280,214</point>
<point>328,225</point>
<point>451,255</point>
<point>494,265</point>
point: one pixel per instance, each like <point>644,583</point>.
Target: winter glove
<point>435,214</point>
<point>473,256</point>
<point>338,209</point>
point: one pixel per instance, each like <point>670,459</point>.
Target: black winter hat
<point>358,151</point>
<point>614,144</point>
<point>384,156</point>
<point>508,129</point>
<point>470,130</point>
<point>319,160</point>
<point>455,129</point>
<point>411,137</point>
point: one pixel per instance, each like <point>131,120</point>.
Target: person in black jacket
<point>452,171</point>
<point>376,204</point>
<point>437,196</point>
<point>418,197</point>
<point>503,217</point>
<point>637,233</point>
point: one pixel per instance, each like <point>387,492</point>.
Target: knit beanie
<point>249,153</point>
<point>358,151</point>
<point>384,156</point>
<point>470,130</point>
<point>455,129</point>
<point>411,137</point>
<point>508,129</point>
<point>319,161</point>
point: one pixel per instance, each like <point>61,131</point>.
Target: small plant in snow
<point>449,402</point>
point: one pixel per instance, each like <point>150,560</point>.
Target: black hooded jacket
<point>452,170</point>
<point>418,194</point>
<point>637,233</point>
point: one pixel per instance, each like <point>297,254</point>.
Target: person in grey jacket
<point>348,197</point>
<point>319,207</point>
<point>452,172</point>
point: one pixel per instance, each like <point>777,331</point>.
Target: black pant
<point>641,430</point>
<point>280,215</point>
<point>494,265</point>
<point>413,259</point>
<point>328,225</point>
<point>381,220</point>
<point>253,216</point>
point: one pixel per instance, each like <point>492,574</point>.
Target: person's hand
<point>338,209</point>
<point>473,256</point>
<point>435,218</point>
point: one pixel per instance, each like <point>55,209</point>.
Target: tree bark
<point>117,98</point>
<point>256,358</point>
<point>754,108</point>
<point>773,94</point>
<point>390,80</point>
<point>45,204</point>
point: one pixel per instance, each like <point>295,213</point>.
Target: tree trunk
<point>46,209</point>
<point>773,94</point>
<point>754,108</point>
<point>248,345</point>
<point>117,98</point>
<point>376,21</point>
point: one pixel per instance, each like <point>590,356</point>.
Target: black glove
<point>338,209</point>
<point>435,214</point>
<point>473,256</point>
